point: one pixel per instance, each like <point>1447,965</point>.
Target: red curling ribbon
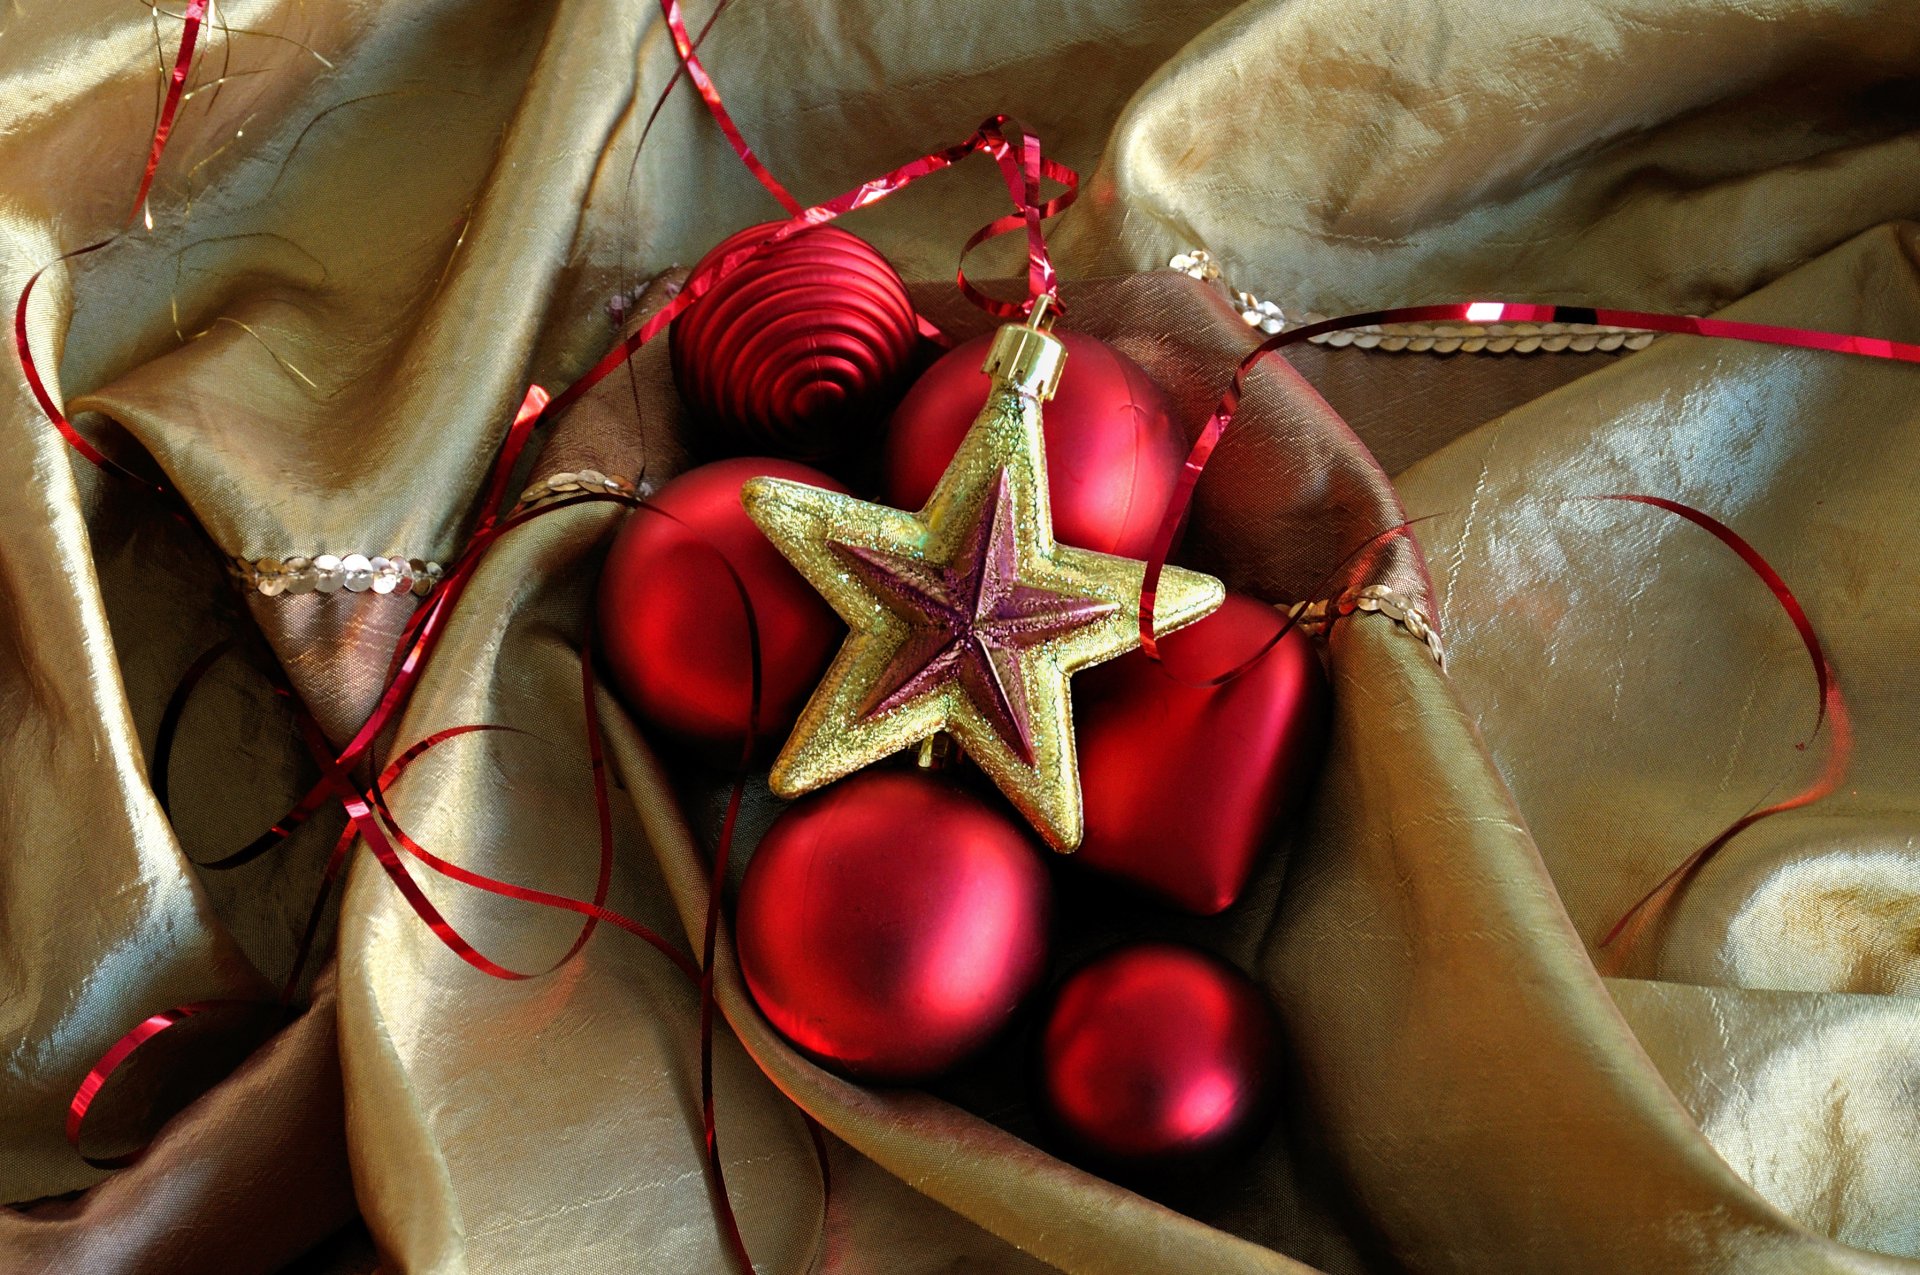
<point>1022,176</point>
<point>360,810</point>
<point>23,346</point>
<point>336,860</point>
<point>702,974</point>
<point>123,1049</point>
<point>344,843</point>
<point>163,129</point>
<point>1832,713</point>
<point>113,1059</point>
<point>370,818</point>
<point>518,435</point>
<point>176,87</point>
<point>1832,706</point>
<point>1470,312</point>
<point>717,1175</point>
<point>703,84</point>
<point>679,69</point>
<point>594,912</point>
<point>722,851</point>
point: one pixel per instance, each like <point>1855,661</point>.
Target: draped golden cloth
<point>376,224</point>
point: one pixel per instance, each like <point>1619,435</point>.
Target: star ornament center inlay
<point>965,617</point>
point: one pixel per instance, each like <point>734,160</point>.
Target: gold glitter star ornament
<point>966,618</point>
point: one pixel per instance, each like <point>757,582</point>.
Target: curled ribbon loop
<point>1832,714</point>
<point>116,1057</point>
<point>1022,174</point>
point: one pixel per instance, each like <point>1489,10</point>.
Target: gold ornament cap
<point>1026,356</point>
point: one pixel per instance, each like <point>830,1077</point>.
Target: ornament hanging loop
<point>938,752</point>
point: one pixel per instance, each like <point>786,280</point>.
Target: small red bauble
<point>1184,785</point>
<point>1113,448</point>
<point>1158,1058</point>
<point>801,350</point>
<point>673,631</point>
<point>891,924</point>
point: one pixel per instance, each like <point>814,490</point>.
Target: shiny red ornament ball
<point>1158,1058</point>
<point>1114,449</point>
<point>1185,785</point>
<point>801,351</point>
<point>672,628</point>
<point>890,925</point>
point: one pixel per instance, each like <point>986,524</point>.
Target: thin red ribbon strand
<point>722,852</point>
<point>371,819</point>
<point>196,14</point>
<point>23,346</point>
<point>113,1059</point>
<point>160,778</point>
<point>1321,589</point>
<point>703,84</point>
<point>1832,714</point>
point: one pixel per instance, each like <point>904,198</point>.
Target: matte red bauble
<point>1113,448</point>
<point>1158,1058</point>
<point>890,925</point>
<point>1184,786</point>
<point>672,629</point>
<point>799,352</point>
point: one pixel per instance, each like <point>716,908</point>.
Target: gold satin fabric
<point>383,221</point>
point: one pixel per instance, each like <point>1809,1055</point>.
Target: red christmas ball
<point>1114,449</point>
<point>801,350</point>
<point>1184,785</point>
<point>1158,1058</point>
<point>673,631</point>
<point>890,925</point>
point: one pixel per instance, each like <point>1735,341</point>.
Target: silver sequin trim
<point>1435,338</point>
<point>392,573</point>
<point>1314,617</point>
<point>332,573</point>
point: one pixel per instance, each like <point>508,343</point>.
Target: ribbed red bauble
<point>1185,785</point>
<point>1158,1058</point>
<point>890,925</point>
<point>800,351</point>
<point>1114,450</point>
<point>672,629</point>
